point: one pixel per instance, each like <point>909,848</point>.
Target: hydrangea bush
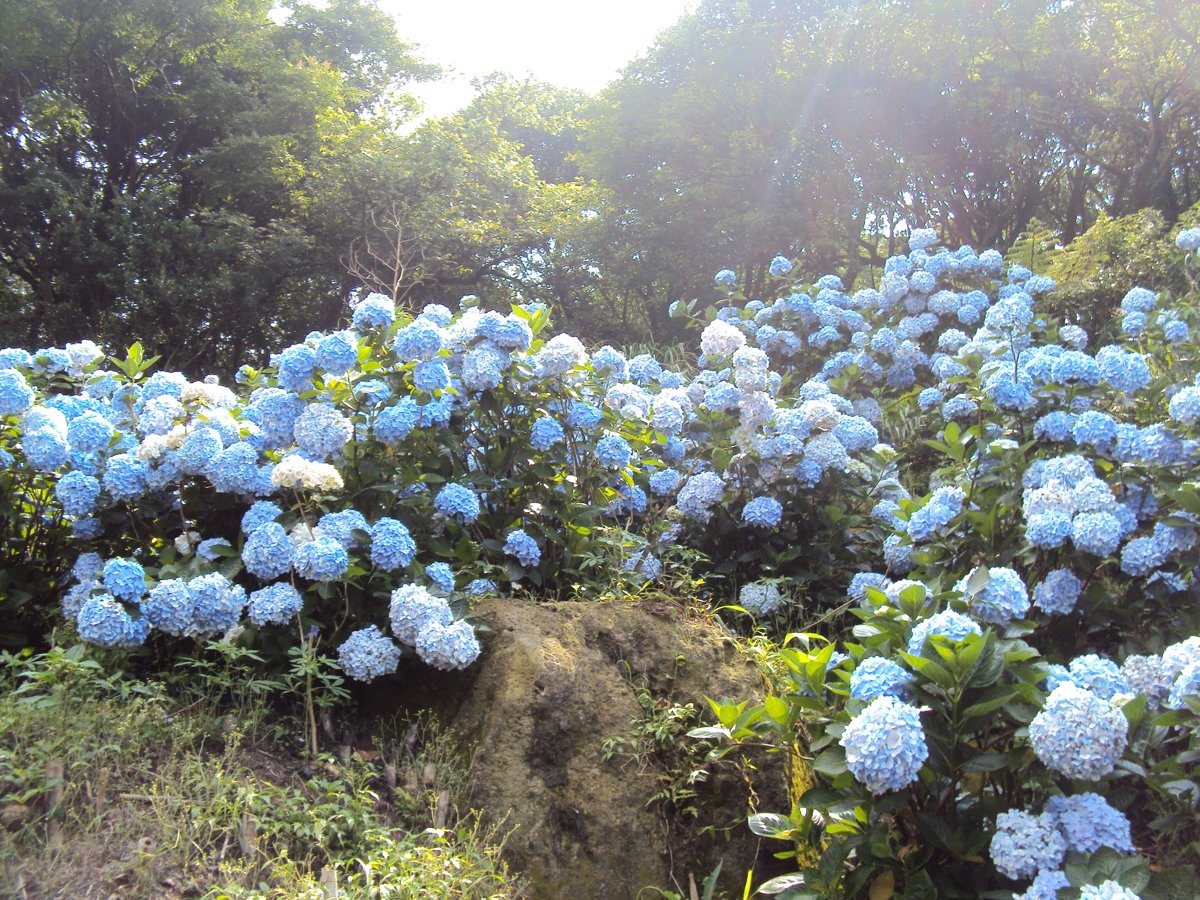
<point>1012,708</point>
<point>460,452</point>
<point>1003,505</point>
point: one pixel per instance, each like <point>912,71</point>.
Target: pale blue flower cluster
<point>1001,599</point>
<point>1024,844</point>
<point>943,506</point>
<point>457,502</point>
<point>1106,890</point>
<point>763,512</point>
<point>885,745</point>
<point>276,604</point>
<point>520,545</point>
<point>878,676</point>
<point>947,624</point>
<point>1089,822</point>
<point>760,598</point>
<point>1078,734</point>
<point>367,654</point>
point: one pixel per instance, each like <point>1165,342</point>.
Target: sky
<point>572,43</point>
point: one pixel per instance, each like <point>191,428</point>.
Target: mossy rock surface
<point>554,682</point>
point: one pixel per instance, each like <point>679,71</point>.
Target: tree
<point>154,159</point>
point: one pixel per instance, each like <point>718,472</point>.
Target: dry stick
<point>100,791</point>
<point>54,777</point>
<point>329,883</point>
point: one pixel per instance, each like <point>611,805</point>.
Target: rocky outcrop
<point>554,683</point>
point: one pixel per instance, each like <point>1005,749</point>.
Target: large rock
<point>555,681</point>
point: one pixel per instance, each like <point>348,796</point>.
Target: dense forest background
<point>218,177</point>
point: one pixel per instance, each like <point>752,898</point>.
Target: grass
<point>113,787</point>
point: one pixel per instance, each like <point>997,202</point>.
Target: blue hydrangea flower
<point>217,604</point>
<point>104,621</point>
<point>1096,532</point>
<point>1089,823</point>
<point>198,450</point>
<point>375,311</point>
<point>584,416</point>
<point>760,598</point>
<point>1024,844</point>
<point>1048,529</point>
<point>1099,675</point>
<point>897,555</point>
<point>89,432</point>
<point>15,358</point>
<point>764,512</point>
<point>457,502</point>
<point>207,549</point>
<point>1058,592</point>
<point>1002,599</point>
<point>1046,885</point>
<point>260,513</point>
<point>268,552</point>
<point>1095,428</point>
<point>448,647</point>
<point>546,432</point>
<point>506,332</point>
<point>321,560</point>
<point>295,368</point>
<point>483,366</point>
<point>431,375</point>
<point>441,575</point>
<point>613,451</point>
<point>878,676</point>
<point>1139,299</point>
<point>124,578</point>
<point>169,607</point>
<point>1188,239</point>
<point>392,547</point>
<point>16,395</point>
<point>413,609</point>
<point>943,506</point>
<point>481,587</point>
<point>779,266</point>
<point>394,423</point>
<point>610,361</point>
<point>46,449</point>
<point>367,654</point>
<point>864,580</point>
<point>885,745</point>
<point>523,547</point>
<point>699,494</point>
<point>1106,890</point>
<point>77,493</point>
<point>88,568</point>
<point>418,341</point>
<point>959,408</point>
<point>1077,734</point>
<point>1185,405</point>
<point>664,482</point>
<point>341,525</point>
<point>1187,684</point>
<point>947,624</point>
<point>726,278</point>
<point>321,430</point>
<point>337,353</point>
<point>234,469</point>
<point>276,604</point>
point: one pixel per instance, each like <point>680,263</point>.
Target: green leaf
<point>781,883</point>
<point>771,825</point>
<point>985,762</point>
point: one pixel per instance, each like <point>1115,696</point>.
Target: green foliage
<point>206,809</point>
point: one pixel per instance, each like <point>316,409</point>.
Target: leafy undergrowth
<point>114,788</point>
